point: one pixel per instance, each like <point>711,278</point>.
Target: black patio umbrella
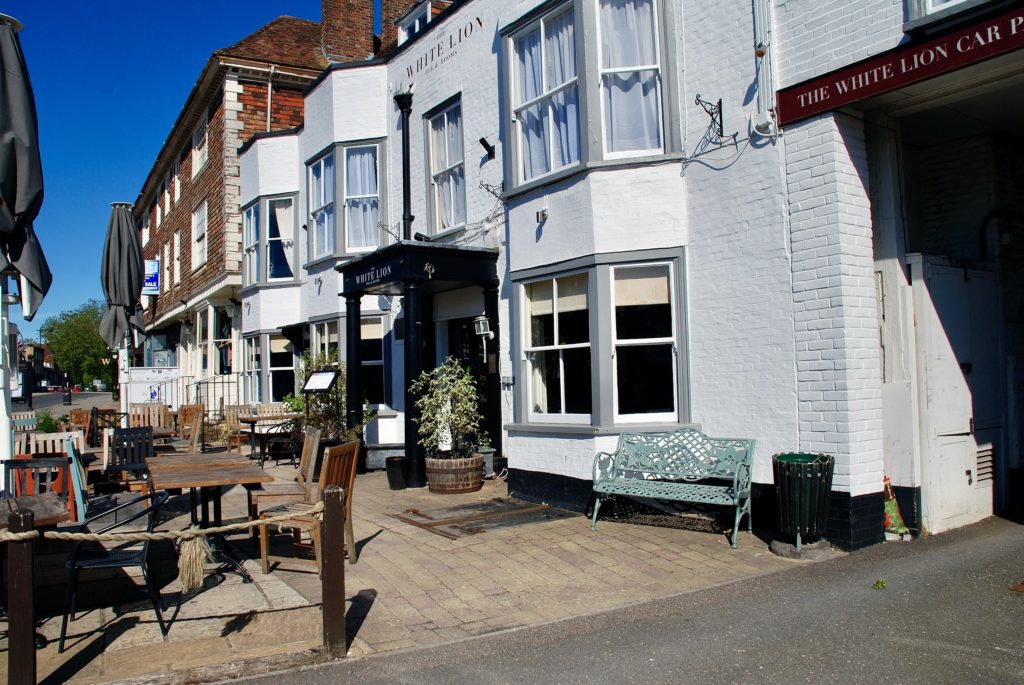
<point>21,173</point>
<point>122,275</point>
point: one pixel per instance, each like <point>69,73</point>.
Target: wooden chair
<point>53,443</point>
<point>285,492</point>
<point>339,469</point>
<point>22,442</point>
<point>186,418</point>
<point>233,432</point>
<point>24,421</point>
<point>151,414</point>
<point>129,451</point>
<point>26,477</point>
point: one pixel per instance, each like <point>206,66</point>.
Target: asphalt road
<point>52,402</point>
<point>946,615</point>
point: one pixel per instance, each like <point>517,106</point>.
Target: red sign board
<point>903,66</point>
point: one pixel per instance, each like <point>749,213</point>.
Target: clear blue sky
<point>110,77</point>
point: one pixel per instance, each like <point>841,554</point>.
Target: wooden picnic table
<point>47,509</point>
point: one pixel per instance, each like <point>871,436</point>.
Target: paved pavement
<point>410,588</point>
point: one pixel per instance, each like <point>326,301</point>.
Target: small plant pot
<point>398,472</point>
<point>454,476</point>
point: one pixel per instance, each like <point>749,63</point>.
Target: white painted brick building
<point>777,298</point>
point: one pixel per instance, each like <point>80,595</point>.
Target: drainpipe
<point>270,93</point>
<point>404,102</point>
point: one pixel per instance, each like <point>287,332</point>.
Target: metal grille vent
<point>986,462</point>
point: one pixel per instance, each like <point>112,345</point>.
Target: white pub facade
<point>607,183</point>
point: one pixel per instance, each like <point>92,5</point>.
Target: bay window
<point>558,347</point>
<point>361,199</point>
<point>321,206</point>
<point>546,95</point>
<point>280,232</point>
<point>600,341</point>
<point>630,76</point>
<point>251,245</point>
<point>252,369</point>
<point>447,169</point>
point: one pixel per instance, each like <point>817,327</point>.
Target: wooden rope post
<point>332,575</point>
<point>21,611</point>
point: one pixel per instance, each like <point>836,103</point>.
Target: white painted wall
<point>269,167</point>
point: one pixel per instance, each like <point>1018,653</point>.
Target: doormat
<point>472,519</point>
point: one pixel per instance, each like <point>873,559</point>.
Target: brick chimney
<point>346,30</point>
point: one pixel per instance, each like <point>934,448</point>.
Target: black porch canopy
<point>416,271</point>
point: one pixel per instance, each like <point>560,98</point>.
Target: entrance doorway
<point>467,347</point>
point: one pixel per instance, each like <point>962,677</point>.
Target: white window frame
<point>177,257</point>
<point>167,195</point>
<point>671,339</point>
<point>145,230</point>
<point>202,324</point>
<point>529,349</point>
<point>322,205</point>
<point>176,173</point>
<point>251,363</point>
<point>320,340</point>
<point>348,149</point>
<point>159,212</point>
<point>288,241</point>
<point>272,369</point>
<point>413,24</point>
<point>546,96</point>
<point>446,168</point>
<point>656,67</point>
<point>200,146</point>
<point>200,228</point>
<point>251,244</point>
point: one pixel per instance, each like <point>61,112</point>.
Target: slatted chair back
<point>24,421</point>
<point>270,408</point>
<point>152,414</point>
<point>130,449</point>
<point>79,419</point>
<point>25,477</point>
<point>195,432</point>
<point>186,418</point>
<point>53,443</point>
<point>340,469</point>
<point>310,446</point>
<point>22,442</point>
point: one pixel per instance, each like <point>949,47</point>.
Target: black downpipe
<point>404,102</point>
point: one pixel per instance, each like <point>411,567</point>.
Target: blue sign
<point>151,282</point>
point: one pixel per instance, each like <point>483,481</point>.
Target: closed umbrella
<point>121,274</point>
<point>21,196</point>
<point>21,174</point>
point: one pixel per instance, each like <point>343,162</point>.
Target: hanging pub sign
<point>902,66</point>
<point>151,279</point>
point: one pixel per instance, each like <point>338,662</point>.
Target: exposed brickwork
<point>391,10</point>
<point>346,32</point>
<point>285,109</point>
<point>834,299</point>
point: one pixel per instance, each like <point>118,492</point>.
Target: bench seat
<point>683,465</point>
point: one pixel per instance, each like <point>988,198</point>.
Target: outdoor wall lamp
<point>483,328</point>
<point>488,147</point>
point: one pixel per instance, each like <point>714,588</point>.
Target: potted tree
<point>449,428</point>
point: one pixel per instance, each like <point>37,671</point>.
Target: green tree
<point>74,338</point>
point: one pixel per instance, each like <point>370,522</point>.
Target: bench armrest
<point>604,466</point>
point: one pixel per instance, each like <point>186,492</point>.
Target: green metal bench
<point>683,465</point>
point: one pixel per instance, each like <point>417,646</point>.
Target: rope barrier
<point>195,550</point>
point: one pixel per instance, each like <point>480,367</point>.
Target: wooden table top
<point>182,477</point>
<point>48,509</point>
<point>165,461</point>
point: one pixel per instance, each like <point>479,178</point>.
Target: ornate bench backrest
<point>684,453</point>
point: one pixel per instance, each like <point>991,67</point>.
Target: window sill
<point>255,288</point>
<point>447,233</point>
<point>583,169</point>
<point>577,429</point>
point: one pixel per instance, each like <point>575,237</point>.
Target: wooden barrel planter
<point>453,476</point>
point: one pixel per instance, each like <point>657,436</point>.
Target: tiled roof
<point>286,40</point>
